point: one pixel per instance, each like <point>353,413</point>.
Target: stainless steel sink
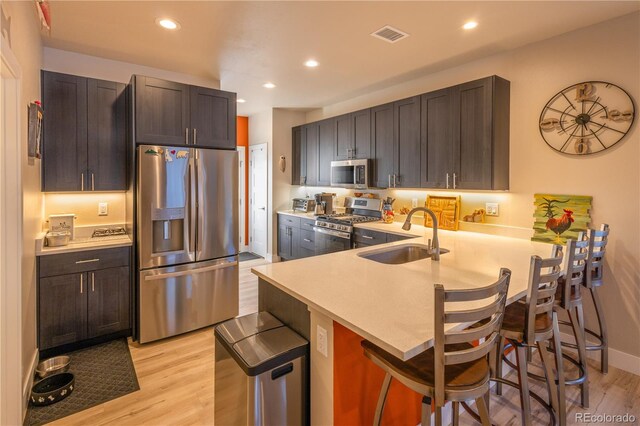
<point>398,255</point>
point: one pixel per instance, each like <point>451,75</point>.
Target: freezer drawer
<point>178,299</point>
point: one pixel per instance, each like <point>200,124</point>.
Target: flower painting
<point>560,217</point>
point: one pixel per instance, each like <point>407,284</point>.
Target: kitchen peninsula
<point>349,298</point>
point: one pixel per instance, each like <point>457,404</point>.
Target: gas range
<point>343,221</point>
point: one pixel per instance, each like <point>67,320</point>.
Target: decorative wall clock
<point>587,117</point>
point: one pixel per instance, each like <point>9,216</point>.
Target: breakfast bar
<point>350,298</point>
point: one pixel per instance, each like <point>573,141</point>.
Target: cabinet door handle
<point>454,181</point>
<point>93,282</point>
<point>367,237</point>
<point>394,180</point>
<point>307,240</point>
<point>82,181</point>
<point>81,281</point>
<point>87,261</point>
<point>389,177</point>
<point>92,182</point>
<point>195,136</point>
<point>447,180</point>
<point>186,136</point>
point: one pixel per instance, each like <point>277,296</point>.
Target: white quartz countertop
<point>83,244</point>
<point>309,215</point>
<point>392,305</point>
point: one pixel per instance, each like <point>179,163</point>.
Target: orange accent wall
<point>356,386</point>
<point>242,137</point>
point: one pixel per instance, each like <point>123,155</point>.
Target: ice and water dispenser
<point>168,230</point>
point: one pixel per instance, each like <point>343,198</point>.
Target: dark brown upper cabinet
<point>162,111</point>
<point>297,156</point>
<point>406,141</point>
<point>213,118</point>
<point>437,139</point>
<point>382,138</point>
<point>309,145</point>
<point>169,113</point>
<point>353,135</point>
<point>481,134</point>
<point>326,143</point>
<point>84,129</point>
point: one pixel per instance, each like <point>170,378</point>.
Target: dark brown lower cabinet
<point>108,307</point>
<point>77,302</point>
<point>63,310</point>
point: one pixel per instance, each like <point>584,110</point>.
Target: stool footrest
<point>568,382</point>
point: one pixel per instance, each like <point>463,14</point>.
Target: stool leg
<point>498,365</point>
<point>521,359</point>
<point>382,399</point>
<point>548,372</point>
<point>455,413</point>
<point>426,411</point>
<point>438,415</point>
<point>577,321</point>
<point>557,348</point>
<point>604,357</point>
<point>483,412</point>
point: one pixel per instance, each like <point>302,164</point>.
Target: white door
<point>258,198</point>
<point>242,184</point>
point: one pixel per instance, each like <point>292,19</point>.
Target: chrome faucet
<point>435,251</point>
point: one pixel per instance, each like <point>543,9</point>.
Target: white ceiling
<point>244,44</point>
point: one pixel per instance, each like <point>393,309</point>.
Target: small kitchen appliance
<point>306,205</point>
<point>324,203</point>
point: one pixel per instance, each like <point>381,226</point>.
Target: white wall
<point>608,51</point>
<point>27,48</point>
<point>74,63</point>
<point>260,132</point>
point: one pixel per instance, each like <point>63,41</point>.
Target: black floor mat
<point>244,256</point>
<point>102,373</point>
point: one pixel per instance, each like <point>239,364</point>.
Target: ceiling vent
<point>390,34</point>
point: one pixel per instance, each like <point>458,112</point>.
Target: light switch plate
<point>103,209</point>
<point>414,203</point>
<point>492,209</point>
<point>321,345</point>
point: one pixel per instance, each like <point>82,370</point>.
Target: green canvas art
<point>560,217</point>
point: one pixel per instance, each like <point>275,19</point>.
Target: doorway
<point>258,187</point>
<point>11,366</point>
<point>242,198</point>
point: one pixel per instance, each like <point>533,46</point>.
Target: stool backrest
<point>543,283</point>
<point>595,258</point>
<point>575,267</point>
<point>493,310</point>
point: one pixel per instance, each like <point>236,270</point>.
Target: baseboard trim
<point>28,383</point>
<point>618,359</point>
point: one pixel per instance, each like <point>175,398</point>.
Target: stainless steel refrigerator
<point>187,239</point>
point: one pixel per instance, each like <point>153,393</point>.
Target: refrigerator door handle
<point>190,271</point>
<point>192,191</point>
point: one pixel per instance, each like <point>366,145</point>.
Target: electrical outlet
<point>321,345</point>
<point>103,209</point>
<point>492,209</point>
<point>414,203</point>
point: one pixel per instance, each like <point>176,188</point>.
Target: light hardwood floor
<point>176,383</point>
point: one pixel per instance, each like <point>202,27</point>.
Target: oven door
<point>330,241</point>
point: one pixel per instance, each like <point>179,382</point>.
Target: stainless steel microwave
<point>350,174</point>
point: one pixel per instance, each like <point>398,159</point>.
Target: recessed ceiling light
<point>311,63</point>
<point>241,101</point>
<point>269,85</point>
<point>167,23</point>
<point>470,25</point>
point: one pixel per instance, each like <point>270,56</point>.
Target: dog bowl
<point>52,389</point>
<point>55,365</point>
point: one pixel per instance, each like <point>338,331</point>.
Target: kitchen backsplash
<point>85,207</point>
<point>469,201</point>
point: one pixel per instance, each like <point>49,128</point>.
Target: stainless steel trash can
<point>260,373</point>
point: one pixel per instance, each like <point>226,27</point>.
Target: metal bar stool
<point>533,322</point>
<point>454,369</point>
<point>593,280</point>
